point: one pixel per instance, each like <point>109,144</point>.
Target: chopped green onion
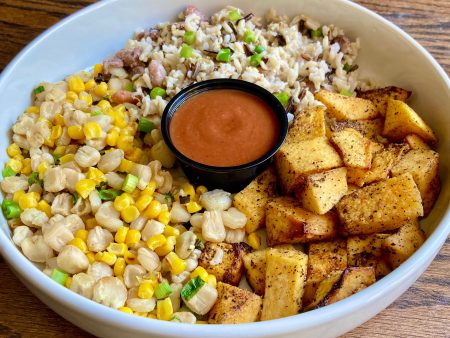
<point>234,15</point>
<point>130,183</point>
<point>56,158</point>
<point>199,245</point>
<point>168,197</point>
<point>8,171</point>
<point>34,178</point>
<point>75,197</point>
<point>259,49</point>
<point>101,185</point>
<point>163,290</point>
<point>224,55</point>
<point>145,125</point>
<point>249,36</point>
<point>108,194</point>
<point>129,87</point>
<point>283,97</point>
<point>191,288</point>
<point>316,33</point>
<point>255,60</point>
<point>39,89</point>
<point>59,276</point>
<point>189,37</point>
<point>346,92</point>
<point>96,113</point>
<point>186,51</point>
<point>10,209</point>
<point>176,319</point>
<point>157,91</point>
<point>346,67</point>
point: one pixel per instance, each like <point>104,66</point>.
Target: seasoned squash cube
<point>307,125</point>
<point>415,142</point>
<point>381,96</point>
<point>255,270</point>
<point>372,129</point>
<point>356,149</point>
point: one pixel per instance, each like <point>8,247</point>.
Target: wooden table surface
<point>423,311</point>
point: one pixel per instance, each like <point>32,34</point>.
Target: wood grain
<point>423,311</point>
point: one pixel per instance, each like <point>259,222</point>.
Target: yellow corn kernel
<point>137,143</point>
<point>134,155</point>
<point>71,96</point>
<point>98,68</point>
<point>106,257</point>
<point>125,166</point>
<point>120,109</point>
<point>129,214</point>
<point>13,150</point>
<point>153,209</point>
<point>82,234</point>
<point>58,119</point>
<point>80,244</point>
<point>27,201</point>
<point>19,157</point>
<point>118,249</point>
<point>66,158</point>
<point>91,223</point>
<point>104,105</point>
<point>35,195</point>
<point>177,265</point>
<point>130,257</point>
<point>101,89</point>
<point>76,84</point>
<point>143,202</point>
<point>125,142</point>
<point>91,257</point>
<point>45,207</point>
<point>146,290</point>
<point>86,98</point>
<point>68,282</point>
<point>96,174</point>
<point>26,166</point>
<point>111,138</point>
<point>133,237</point>
<point>123,201</point>
<point>148,139</point>
<point>89,84</point>
<point>119,267</point>
<point>92,130</point>
<point>254,240</point>
<point>171,231</point>
<point>156,241</point>
<point>201,272</point>
<point>169,246</point>
<point>212,280</point>
<point>14,164</point>
<point>188,189</point>
<point>150,189</point>
<point>56,132</point>
<point>125,309</point>
<point>33,109</point>
<point>42,168</point>
<point>164,309</point>
<point>49,142</point>
<point>121,234</point>
<point>192,207</point>
<point>201,189</point>
<point>164,217</point>
<point>75,132</point>
<point>59,150</point>
<point>17,195</point>
<point>84,187</point>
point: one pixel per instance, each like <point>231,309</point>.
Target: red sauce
<point>224,127</point>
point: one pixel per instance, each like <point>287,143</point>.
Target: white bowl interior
<point>388,57</point>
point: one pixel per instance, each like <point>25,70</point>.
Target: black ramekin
<point>233,178</point>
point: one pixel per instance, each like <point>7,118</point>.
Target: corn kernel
<point>68,282</point>
<point>171,231</point>
<point>14,164</point>
<point>153,209</point>
<point>17,195</point>
<point>134,155</point>
<point>129,214</point>
<point>201,189</point>
<point>59,150</point>
<point>76,84</point>
<point>212,280</point>
<point>33,110</point>
<point>49,142</point>
<point>86,98</point>
<point>42,168</point>
<point>169,246</point>
<point>164,309</point>
<point>130,257</point>
<point>101,89</point>
<point>143,202</point>
<point>26,166</point>
<point>75,132</point>
<point>125,142</point>
<point>177,265</point>
<point>91,223</point>
<point>146,290</point>
<point>150,189</point>
<point>45,207</point>
<point>96,175</point>
<point>254,240</point>
<point>119,266</point>
<point>104,105</point>
<point>189,190</point>
<point>19,157</point>
<point>164,217</point>
<point>80,244</point>
<point>111,138</point>
<point>125,166</point>
<point>27,201</point>
<point>141,314</point>
<point>201,272</point>
<point>192,207</point>
<point>13,150</point>
<point>92,130</point>
<point>84,187</point>
<point>98,68</point>
<point>56,132</point>
<point>58,119</point>
<point>125,309</point>
<point>91,257</point>
<point>133,237</point>
<point>82,234</point>
<point>156,241</point>
<point>66,158</point>
<point>152,316</point>
<point>118,249</point>
<point>89,84</point>
<point>106,257</point>
<point>71,96</point>
<point>121,234</point>
<point>123,201</point>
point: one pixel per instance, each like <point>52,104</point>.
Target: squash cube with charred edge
<point>323,289</point>
<point>253,198</point>
<point>288,223</point>
<point>235,306</point>
<point>372,129</point>
<point>307,125</point>
<point>381,96</point>
<point>231,267</point>
<point>356,149</point>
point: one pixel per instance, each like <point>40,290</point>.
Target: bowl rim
<point>224,84</point>
<point>357,302</point>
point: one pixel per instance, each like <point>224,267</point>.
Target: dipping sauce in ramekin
<point>224,128</point>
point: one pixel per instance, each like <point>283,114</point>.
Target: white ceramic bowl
<point>388,56</point>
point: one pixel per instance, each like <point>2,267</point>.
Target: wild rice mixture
<point>91,191</point>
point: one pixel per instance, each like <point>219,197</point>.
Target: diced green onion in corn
<point>316,33</point>
<point>34,178</point>
<point>145,125</point>
<point>186,51</point>
<point>255,60</point>
<point>191,288</point>
<point>234,15</point>
<point>224,55</point>
<point>249,36</point>
<point>10,209</point>
<point>346,92</point>
<point>259,49</point>
<point>8,171</point>
<point>157,91</point>
<point>108,194</point>
<point>59,276</point>
<point>130,183</point>
<point>129,87</point>
<point>189,37</point>
<point>96,113</point>
<point>39,89</point>
<point>163,290</point>
<point>75,197</point>
<point>283,97</point>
